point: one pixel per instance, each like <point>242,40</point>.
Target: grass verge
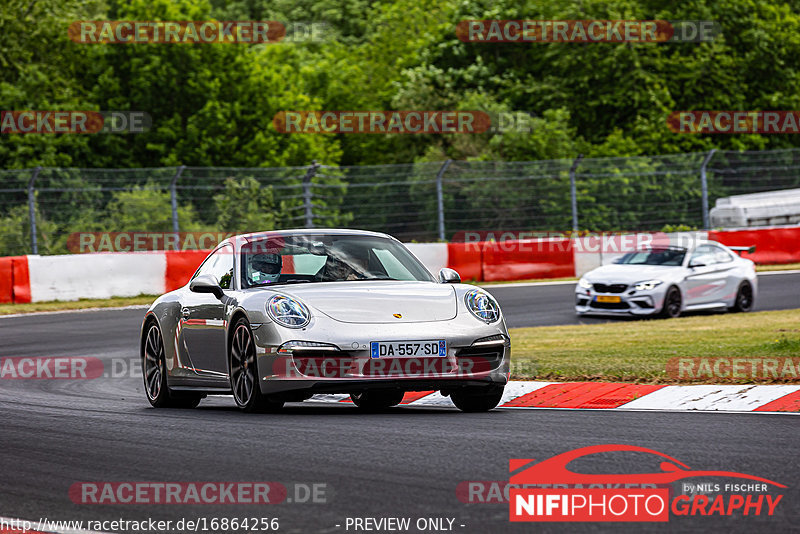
<point>58,305</point>
<point>639,350</point>
<point>782,267</point>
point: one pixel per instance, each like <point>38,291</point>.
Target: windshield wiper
<point>285,282</point>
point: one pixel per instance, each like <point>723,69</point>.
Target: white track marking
<point>81,310</point>
<point>709,397</point>
<point>706,397</point>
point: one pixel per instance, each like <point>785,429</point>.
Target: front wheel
<point>672,303</point>
<point>477,399</point>
<point>744,298</point>
<point>377,400</point>
<point>244,372</point>
<point>154,371</point>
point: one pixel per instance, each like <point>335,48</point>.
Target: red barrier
<point>520,260</point>
<point>466,258</point>
<point>181,265</point>
<point>6,280</point>
<point>773,245</point>
<point>21,288</point>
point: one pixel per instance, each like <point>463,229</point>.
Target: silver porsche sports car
<point>279,316</point>
<point>668,280</point>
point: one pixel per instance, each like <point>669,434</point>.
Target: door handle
<point>185,313</point>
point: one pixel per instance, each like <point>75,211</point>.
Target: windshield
<point>656,256</point>
<point>327,258</point>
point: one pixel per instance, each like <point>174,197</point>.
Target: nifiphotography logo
<point>549,491</point>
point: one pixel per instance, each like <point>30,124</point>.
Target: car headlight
<point>585,284</point>
<point>482,306</point>
<point>647,285</point>
<point>288,312</point>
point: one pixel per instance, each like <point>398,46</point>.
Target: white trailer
<point>770,208</point>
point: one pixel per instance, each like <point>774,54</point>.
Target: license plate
<point>607,298</point>
<point>408,349</point>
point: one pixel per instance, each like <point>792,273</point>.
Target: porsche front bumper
<point>335,357</point>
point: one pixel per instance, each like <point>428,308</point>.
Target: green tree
<point>246,206</point>
<point>15,233</point>
<point>147,209</point>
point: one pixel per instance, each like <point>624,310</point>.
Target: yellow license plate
<point>608,298</point>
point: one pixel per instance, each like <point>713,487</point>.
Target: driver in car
<point>265,268</point>
<point>348,263</point>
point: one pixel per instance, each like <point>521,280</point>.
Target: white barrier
<point>433,255</point>
<point>100,276</point>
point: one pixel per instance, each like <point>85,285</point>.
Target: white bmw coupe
<point>668,280</point>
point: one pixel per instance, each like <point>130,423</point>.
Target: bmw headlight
<point>646,285</point>
<point>482,306</point>
<point>288,312</point>
<point>585,284</point>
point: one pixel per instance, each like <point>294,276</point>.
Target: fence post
<point>308,207</point>
<point>573,192</point>
<point>32,209</point>
<point>440,197</point>
<point>704,188</point>
<point>173,193</point>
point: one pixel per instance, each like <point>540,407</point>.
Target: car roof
<point>246,238</point>
<point>311,231</point>
<point>691,246</point>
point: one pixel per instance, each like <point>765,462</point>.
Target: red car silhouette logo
<point>554,470</point>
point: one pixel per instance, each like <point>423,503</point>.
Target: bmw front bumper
<point>629,302</point>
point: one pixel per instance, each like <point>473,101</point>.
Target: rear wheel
<point>375,400</point>
<point>672,303</point>
<point>244,372</point>
<point>477,399</point>
<point>154,371</point>
<point>744,298</point>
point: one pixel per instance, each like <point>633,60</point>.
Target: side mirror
<point>206,283</point>
<point>449,276</point>
<point>696,263</point>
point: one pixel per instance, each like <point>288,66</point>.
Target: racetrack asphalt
<point>406,462</point>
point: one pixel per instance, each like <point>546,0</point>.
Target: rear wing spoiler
<point>739,250</point>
